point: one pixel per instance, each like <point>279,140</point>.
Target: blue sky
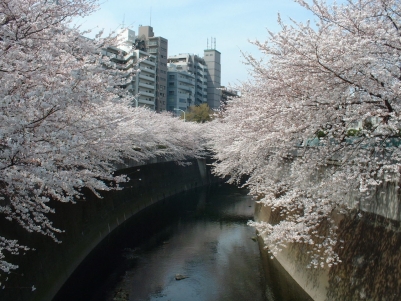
<point>187,24</point>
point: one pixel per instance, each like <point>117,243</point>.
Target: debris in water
<point>121,295</point>
<point>180,277</point>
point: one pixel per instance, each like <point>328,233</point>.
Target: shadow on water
<point>201,235</point>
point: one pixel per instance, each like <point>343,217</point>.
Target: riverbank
<point>200,235</point>
<point>86,223</point>
<point>368,245</point>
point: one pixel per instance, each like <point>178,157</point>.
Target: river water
<point>200,236</point>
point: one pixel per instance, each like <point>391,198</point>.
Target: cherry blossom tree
<point>64,119</point>
<point>316,131</point>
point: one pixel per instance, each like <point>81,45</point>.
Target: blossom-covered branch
<point>318,127</point>
<point>64,120</point>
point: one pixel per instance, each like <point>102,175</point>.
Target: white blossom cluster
<point>64,119</point>
<point>292,136</point>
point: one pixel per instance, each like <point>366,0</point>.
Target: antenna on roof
<point>150,23</point>
<point>123,24</point>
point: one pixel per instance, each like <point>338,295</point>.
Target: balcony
<point>182,94</point>
<point>149,70</point>
<point>186,88</point>
<point>187,80</point>
<point>147,62</point>
<point>146,76</point>
<point>142,84</point>
<point>147,102</point>
<point>143,93</point>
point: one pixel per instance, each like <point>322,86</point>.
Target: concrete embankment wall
<point>89,222</point>
<point>368,245</point>
<point>294,262</point>
<point>384,201</point>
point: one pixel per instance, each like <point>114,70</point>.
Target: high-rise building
<point>158,47</point>
<point>180,88</point>
<point>207,72</point>
<point>195,65</point>
<point>212,59</point>
<point>142,85</point>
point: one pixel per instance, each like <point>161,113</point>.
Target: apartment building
<point>207,72</point>
<point>196,66</point>
<point>142,84</point>
<point>158,47</point>
<point>180,89</point>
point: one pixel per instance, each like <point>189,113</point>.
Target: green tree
<point>200,114</point>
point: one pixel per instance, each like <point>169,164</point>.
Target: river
<point>199,237</point>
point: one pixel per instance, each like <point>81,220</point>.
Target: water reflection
<point>210,246</point>
<point>202,237</point>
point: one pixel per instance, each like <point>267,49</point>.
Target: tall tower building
<point>143,84</point>
<point>212,59</point>
<point>158,47</point>
<point>207,72</point>
<point>195,65</point>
